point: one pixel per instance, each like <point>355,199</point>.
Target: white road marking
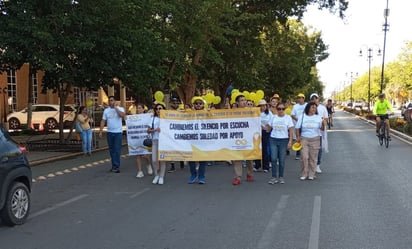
<point>61,204</point>
<point>314,228</point>
<point>139,193</point>
<point>266,241</point>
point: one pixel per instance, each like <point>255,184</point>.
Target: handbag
<point>79,128</point>
<point>148,142</point>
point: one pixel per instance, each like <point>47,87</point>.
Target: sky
<point>361,29</point>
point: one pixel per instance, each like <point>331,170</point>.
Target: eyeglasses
<point>280,109</point>
<point>198,103</point>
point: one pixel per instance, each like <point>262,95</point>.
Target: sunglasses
<point>159,108</point>
<point>198,103</point>
<point>280,109</point>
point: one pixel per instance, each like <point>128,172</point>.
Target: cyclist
<point>331,110</point>
<point>380,109</point>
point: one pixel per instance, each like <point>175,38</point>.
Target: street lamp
<point>5,105</point>
<point>385,28</point>
<point>370,51</point>
<point>352,76</point>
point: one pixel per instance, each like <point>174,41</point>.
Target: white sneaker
<point>155,180</point>
<point>303,178</point>
<point>318,169</point>
<point>149,170</point>
<point>161,181</point>
<point>139,174</point>
<point>311,178</point>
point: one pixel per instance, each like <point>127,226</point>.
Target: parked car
<point>15,181</point>
<point>45,114</point>
<point>406,111</point>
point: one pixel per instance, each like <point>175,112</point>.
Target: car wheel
<point>50,124</point>
<point>14,123</point>
<point>17,206</point>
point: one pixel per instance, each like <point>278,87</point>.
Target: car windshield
<point>8,147</point>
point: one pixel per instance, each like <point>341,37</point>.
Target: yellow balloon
<point>216,100</point>
<point>246,94</point>
<point>260,94</point>
<point>159,96</point>
<point>89,102</point>
<point>252,96</point>
<point>209,98</point>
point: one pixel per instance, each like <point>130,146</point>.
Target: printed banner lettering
<point>137,125</point>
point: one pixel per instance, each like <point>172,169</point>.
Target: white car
<point>45,114</point>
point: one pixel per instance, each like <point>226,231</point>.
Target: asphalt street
<point>363,199</point>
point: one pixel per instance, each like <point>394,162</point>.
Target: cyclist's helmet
<point>382,95</point>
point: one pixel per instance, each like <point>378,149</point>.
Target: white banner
<point>136,129</point>
<point>212,135</point>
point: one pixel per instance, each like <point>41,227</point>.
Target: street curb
<point>62,157</point>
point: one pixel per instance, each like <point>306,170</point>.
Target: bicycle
<point>329,121</point>
<point>383,135</point>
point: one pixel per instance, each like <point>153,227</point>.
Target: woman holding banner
<point>140,110</point>
<point>198,105</point>
<point>159,168</point>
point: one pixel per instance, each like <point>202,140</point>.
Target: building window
<point>35,87</point>
<point>12,89</point>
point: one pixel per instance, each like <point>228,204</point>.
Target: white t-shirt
<point>114,121</point>
<point>298,110</point>
<point>322,111</point>
<point>280,126</point>
<point>156,124</point>
<point>265,118</point>
<point>309,125</point>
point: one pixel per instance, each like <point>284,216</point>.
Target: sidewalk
<point>39,157</point>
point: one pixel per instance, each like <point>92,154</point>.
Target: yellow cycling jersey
<point>382,107</point>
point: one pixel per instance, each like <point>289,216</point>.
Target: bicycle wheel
<point>381,135</point>
<point>386,136</point>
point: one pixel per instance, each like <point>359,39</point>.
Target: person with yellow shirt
<point>380,109</point>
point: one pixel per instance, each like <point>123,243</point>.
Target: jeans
<point>114,141</point>
<point>202,169</point>
<point>278,147</point>
<point>87,141</point>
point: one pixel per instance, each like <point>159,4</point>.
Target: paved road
<point>362,200</point>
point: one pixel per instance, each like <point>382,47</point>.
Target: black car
<point>15,181</point>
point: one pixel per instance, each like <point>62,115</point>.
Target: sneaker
<point>115,170</point>
<point>303,178</point>
<point>192,179</point>
<point>236,181</point>
<point>149,170</point>
<point>311,178</point>
<point>249,178</point>
<point>255,169</point>
<point>273,180</point>
<point>171,170</point>
<point>297,158</point>
<point>202,180</point>
<point>281,180</point>
<point>318,169</point>
<point>139,174</point>
<point>265,171</point>
<point>161,181</point>
<point>155,180</point>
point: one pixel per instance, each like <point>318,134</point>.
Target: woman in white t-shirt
<point>308,133</point>
<point>280,141</point>
<point>159,167</point>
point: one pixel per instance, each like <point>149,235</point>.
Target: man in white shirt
<point>113,115</point>
<point>297,112</point>
<point>323,112</point>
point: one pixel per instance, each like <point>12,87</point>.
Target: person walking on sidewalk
<point>113,116</point>
<point>323,113</point>
<point>237,165</point>
<point>84,119</point>
<point>159,168</point>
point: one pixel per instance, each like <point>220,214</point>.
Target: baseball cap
<point>314,95</point>
<point>276,96</point>
<point>301,95</point>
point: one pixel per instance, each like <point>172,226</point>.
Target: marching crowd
<point>301,128</point>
